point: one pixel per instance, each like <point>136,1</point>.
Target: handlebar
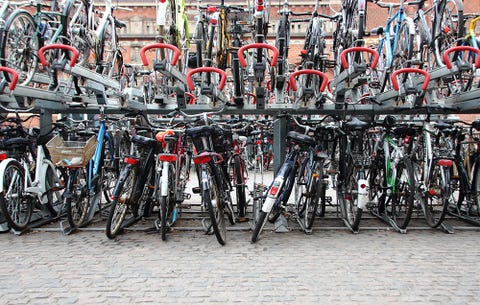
<point>42,50</point>
<point>241,56</point>
<point>176,52</point>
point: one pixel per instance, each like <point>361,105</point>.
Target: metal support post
<point>279,147</point>
<point>45,122</point>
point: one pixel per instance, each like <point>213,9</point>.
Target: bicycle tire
<point>448,28</point>
<point>109,169</point>
<point>19,46</point>
<point>403,195</point>
<point>262,219</point>
<point>200,47</point>
<point>212,200</point>
<point>16,207</point>
<point>377,182</point>
<point>353,214</point>
<point>437,194</point>
<point>109,58</point>
<point>75,31</point>
<point>121,202</point>
<point>77,202</point>
<point>239,169</point>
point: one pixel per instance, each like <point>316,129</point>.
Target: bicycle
<point>306,170</point>
<point>172,174</point>
<point>465,173</point>
<point>23,189</point>
<point>396,44</point>
<point>134,191</point>
<point>91,178</point>
<point>211,142</point>
<point>391,177</point>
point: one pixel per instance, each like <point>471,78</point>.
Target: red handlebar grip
<point>191,85</point>
<point>176,52</point>
<point>410,70</point>
<point>13,82</point>
<point>447,61</point>
<point>324,77</point>
<point>241,57</point>
<point>42,50</point>
<point>343,55</point>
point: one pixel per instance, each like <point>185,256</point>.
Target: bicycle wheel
<point>449,24</point>
<point>15,205</point>
<point>19,46</point>
<point>109,170</point>
<point>75,32</point>
<point>309,199</point>
<point>377,181</point>
<point>282,44</point>
<point>212,200</point>
<point>167,205</point>
<point>121,202</point>
<point>199,37</point>
<point>239,173</point>
<point>109,59</point>
<point>262,219</point>
<point>437,195</point>
<point>348,199</point>
<point>399,206</point>
<point>77,200</point>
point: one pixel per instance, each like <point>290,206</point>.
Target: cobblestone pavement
<point>327,267</point>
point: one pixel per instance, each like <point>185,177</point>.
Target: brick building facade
<point>141,29</point>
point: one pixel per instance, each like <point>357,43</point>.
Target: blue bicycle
<point>396,42</point>
<point>89,179</point>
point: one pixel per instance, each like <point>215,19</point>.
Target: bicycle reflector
<point>3,156</point>
<point>446,163</point>
<point>131,161</point>
<point>201,159</point>
<point>167,157</point>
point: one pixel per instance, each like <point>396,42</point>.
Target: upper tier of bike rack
<point>99,90</point>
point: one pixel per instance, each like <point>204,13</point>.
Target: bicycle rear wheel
<point>348,200</point>
<point>401,200</point>
<point>239,172</point>
<point>437,194</point>
<point>15,205</point>
<point>213,202</point>
<point>167,206</point>
<point>110,59</point>
<point>77,201</point>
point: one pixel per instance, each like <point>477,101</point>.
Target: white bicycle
<point>28,180</point>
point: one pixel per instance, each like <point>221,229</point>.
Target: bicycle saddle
<point>356,124</point>
<point>14,143</point>
<point>300,137</point>
<point>146,141</point>
<point>199,131</point>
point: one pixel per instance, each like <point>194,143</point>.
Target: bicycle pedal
<point>196,190</point>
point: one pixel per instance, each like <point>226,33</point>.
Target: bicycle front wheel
<point>121,203</point>
<point>15,205</point>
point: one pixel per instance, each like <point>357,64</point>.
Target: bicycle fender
<point>121,180</point>
<point>362,195</point>
<point>164,179</point>
<point>3,166</point>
